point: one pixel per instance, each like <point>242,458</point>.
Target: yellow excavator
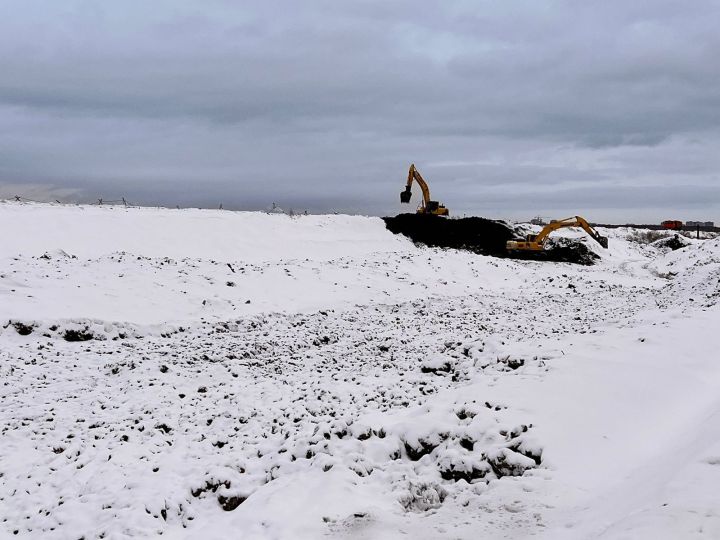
<point>427,207</point>
<point>537,242</point>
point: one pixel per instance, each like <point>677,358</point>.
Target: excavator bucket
<point>603,241</point>
<point>405,195</point>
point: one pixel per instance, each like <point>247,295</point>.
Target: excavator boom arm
<point>413,174</point>
<point>602,240</point>
<point>554,226</point>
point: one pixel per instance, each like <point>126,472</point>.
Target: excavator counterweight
<point>427,206</point>
<point>537,242</point>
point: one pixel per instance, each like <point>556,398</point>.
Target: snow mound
<point>694,272</point>
<point>671,243</point>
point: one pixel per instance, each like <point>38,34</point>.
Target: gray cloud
<point>323,104</point>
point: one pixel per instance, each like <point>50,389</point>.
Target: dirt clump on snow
<point>22,328</point>
<point>78,335</point>
<point>482,236</point>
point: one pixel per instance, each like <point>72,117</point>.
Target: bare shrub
<point>423,497</point>
<point>645,237</point>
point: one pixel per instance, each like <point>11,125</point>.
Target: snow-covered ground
<point>211,374</point>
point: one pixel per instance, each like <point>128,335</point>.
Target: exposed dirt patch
<point>230,503</point>
<point>416,452</point>
<point>78,335</point>
<point>23,329</point>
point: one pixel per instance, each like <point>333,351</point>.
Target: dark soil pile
<point>483,236</point>
<point>475,234</point>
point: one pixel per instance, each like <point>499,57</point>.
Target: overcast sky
<point>508,108</point>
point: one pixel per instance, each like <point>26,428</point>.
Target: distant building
<point>700,223</point>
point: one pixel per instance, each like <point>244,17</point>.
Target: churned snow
<point>213,374</point>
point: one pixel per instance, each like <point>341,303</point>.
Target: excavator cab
<point>433,207</point>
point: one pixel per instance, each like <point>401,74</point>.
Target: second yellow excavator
<point>537,242</point>
<point>427,206</point>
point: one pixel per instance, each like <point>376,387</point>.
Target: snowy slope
<point>153,266</point>
<point>95,231</point>
<point>369,389</point>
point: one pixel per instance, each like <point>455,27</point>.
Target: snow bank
<point>252,237</point>
<point>693,272</point>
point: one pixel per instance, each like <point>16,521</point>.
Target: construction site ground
<point>187,373</point>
